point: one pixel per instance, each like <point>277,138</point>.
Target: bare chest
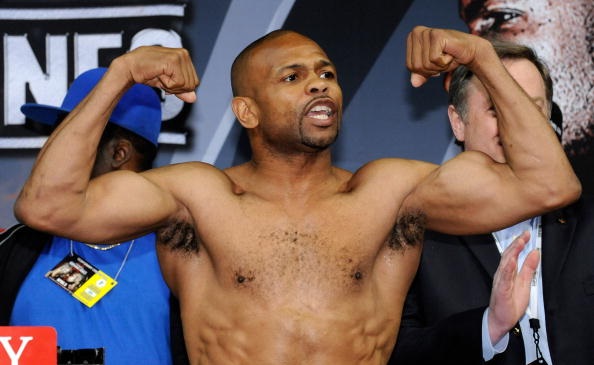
<point>288,255</point>
<point>317,250</point>
<point>329,246</point>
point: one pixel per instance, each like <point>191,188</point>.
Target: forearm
<point>536,175</point>
<point>532,150</point>
<point>60,176</point>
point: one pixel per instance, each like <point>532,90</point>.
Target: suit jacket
<point>442,316</point>
<point>20,246</point>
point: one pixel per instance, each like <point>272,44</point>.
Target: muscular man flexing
<point>287,259</point>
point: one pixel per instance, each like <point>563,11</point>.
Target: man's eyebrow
<point>324,63</point>
<point>293,66</point>
<point>319,64</point>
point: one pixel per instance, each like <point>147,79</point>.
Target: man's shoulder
<point>181,168</point>
<point>397,162</point>
<point>401,172</point>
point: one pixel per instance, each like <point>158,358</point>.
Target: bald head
<point>239,69</point>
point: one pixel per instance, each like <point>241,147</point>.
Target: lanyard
<point>108,247</point>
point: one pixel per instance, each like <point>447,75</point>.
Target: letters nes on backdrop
<point>47,44</point>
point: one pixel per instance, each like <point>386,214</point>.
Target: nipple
<point>240,278</point>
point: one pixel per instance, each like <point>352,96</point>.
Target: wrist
<point>119,73</point>
<point>496,329</point>
<point>485,59</point>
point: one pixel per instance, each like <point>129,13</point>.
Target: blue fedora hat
<point>139,110</point>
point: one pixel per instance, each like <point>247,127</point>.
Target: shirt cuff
<point>489,349</point>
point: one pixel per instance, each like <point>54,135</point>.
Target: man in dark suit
<point>448,314</point>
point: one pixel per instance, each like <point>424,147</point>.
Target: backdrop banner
<point>47,46</point>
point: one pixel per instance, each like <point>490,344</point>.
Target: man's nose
<point>317,85</point>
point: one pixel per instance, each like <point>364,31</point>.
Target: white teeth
<point>321,108</point>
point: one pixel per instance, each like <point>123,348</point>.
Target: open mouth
<point>321,112</point>
<point>322,109</point>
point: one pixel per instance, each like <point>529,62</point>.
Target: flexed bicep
<point>123,204</point>
<point>470,194</point>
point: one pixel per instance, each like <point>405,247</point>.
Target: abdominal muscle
<point>272,322</point>
<point>241,331</point>
<point>317,293</point>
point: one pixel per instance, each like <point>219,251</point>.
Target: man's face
<point>478,130</point>
<point>296,91</point>
<point>561,33</point>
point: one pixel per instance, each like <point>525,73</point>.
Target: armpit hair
<point>408,230</point>
<point>179,236</point>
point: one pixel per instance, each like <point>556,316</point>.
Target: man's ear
<point>121,153</point>
<point>456,123</point>
<point>246,111</point>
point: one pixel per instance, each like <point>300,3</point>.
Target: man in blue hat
<point>119,303</point>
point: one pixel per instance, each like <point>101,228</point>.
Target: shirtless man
<point>295,261</point>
